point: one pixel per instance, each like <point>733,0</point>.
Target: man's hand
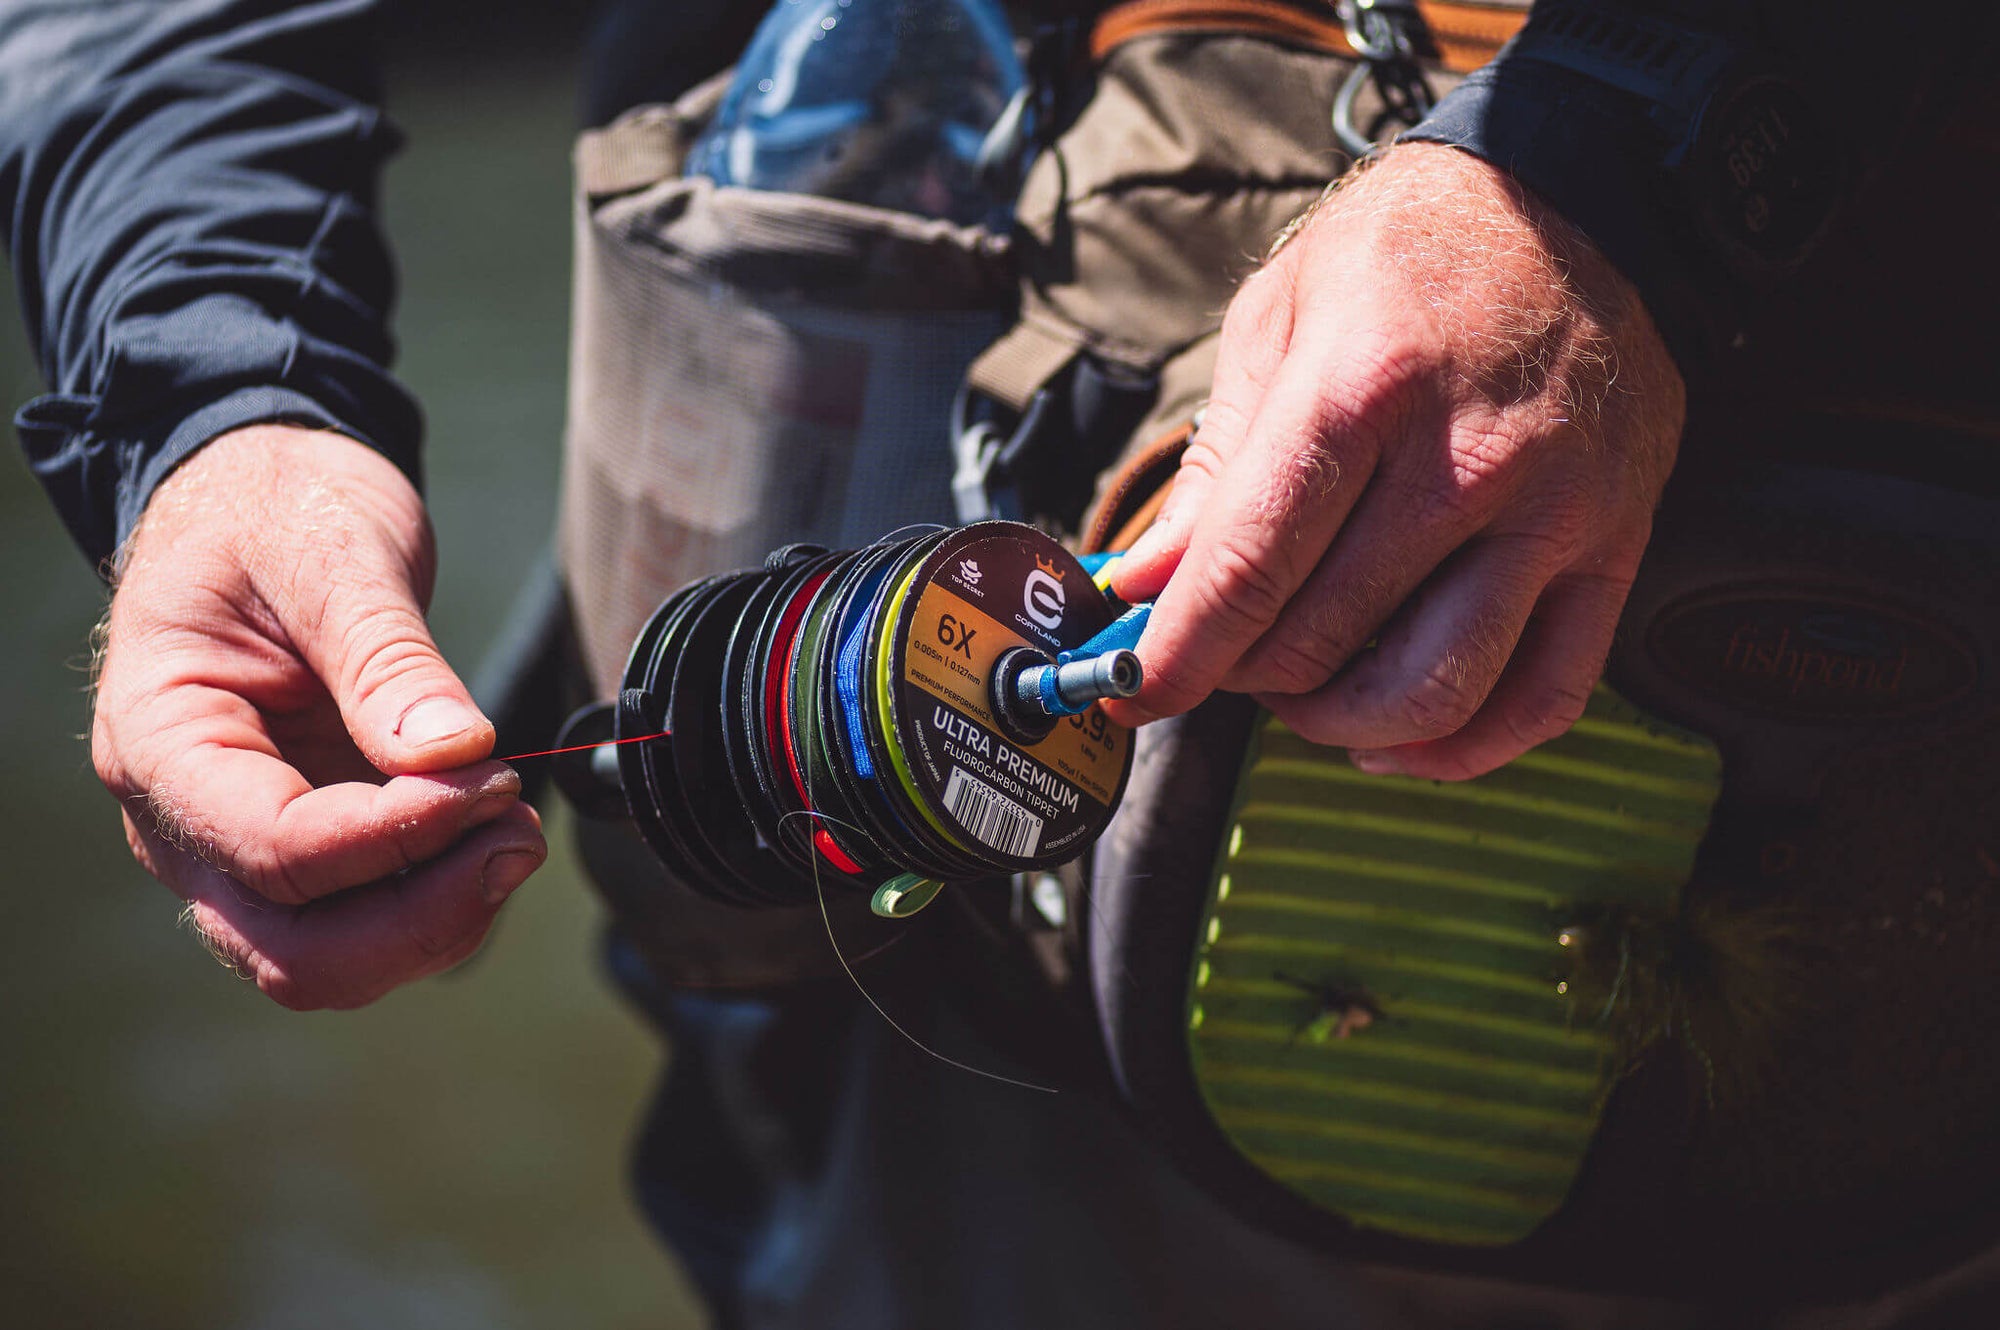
<point>294,758</point>
<point>1440,423</point>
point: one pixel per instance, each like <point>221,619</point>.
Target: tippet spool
<point>855,721</point>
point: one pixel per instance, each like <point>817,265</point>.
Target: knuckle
<point>1167,693</point>
<point>1463,487</point>
<point>1242,587</point>
<point>385,648</point>
<point>1442,701</point>
<point>1290,663</point>
<point>1445,504</point>
<point>1221,419</point>
<point>1262,310</point>
<point>1385,375</point>
<point>1549,548</point>
<point>135,841</point>
<point>105,760</point>
<point>278,977</point>
<point>1204,456</point>
<point>1545,714</point>
<point>171,821</point>
<point>434,940</point>
<point>271,872</point>
<point>1307,478</point>
<point>296,986</point>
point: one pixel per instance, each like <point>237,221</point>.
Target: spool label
<point>986,598</point>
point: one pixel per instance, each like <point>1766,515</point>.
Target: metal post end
<point>1113,674</point>
<point>1070,688</point>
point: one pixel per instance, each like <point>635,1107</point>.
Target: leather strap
<point>1466,35</point>
<point>1135,493</point>
<point>1469,35</point>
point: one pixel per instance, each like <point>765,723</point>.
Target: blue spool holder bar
<point>1105,666</point>
<point>1121,634</point>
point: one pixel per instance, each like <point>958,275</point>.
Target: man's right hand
<point>295,759</point>
<point>1424,482</point>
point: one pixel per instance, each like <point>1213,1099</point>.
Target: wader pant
<point>812,1169</point>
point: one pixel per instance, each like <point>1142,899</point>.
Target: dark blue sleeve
<point>1706,145</point>
<point>190,189</point>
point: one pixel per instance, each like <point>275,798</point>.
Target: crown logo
<point>1048,566</point>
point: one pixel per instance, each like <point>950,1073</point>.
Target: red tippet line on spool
<point>778,716</point>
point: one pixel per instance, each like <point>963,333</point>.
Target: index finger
<point>213,783</point>
<point>1270,516</point>
<point>1249,351</point>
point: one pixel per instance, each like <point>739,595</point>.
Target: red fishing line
<point>578,748</point>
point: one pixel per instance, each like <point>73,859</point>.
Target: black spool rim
<point>644,768</point>
<point>710,816</point>
<point>672,764</point>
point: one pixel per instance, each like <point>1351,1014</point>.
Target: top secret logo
<point>1813,655</point>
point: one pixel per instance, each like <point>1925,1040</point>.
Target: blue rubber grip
<point>1122,634</point>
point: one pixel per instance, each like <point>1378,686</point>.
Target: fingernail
<point>504,872</point>
<point>433,721</point>
<point>1376,763</point>
<point>491,806</point>
<point>495,795</point>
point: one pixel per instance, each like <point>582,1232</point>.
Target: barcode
<point>991,817</point>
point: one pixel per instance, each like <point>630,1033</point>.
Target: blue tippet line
<point>847,674</point>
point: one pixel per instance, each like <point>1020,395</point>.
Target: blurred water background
<point>174,1150</point>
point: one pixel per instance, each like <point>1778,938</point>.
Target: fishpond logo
<point>1813,654</point>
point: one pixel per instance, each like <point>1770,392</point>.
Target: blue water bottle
<point>884,102</point>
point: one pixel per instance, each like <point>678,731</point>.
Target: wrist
<point>1699,171</point>
<point>1487,251</point>
<point>264,485</point>
<point>1521,312</point>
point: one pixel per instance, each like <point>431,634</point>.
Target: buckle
<point>1389,36</point>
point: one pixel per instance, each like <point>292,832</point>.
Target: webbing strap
<point>1466,35</point>
<point>640,150</point>
<point>1022,363</point>
<point>647,145</point>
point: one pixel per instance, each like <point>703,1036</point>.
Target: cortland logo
<point>1042,595</point>
<point>969,570</point>
<point>1811,654</point>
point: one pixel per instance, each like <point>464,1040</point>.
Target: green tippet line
<point>884,659</point>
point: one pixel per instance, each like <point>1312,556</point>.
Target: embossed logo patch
<point>1812,654</point>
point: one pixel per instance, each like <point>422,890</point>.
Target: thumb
<point>403,705</point>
